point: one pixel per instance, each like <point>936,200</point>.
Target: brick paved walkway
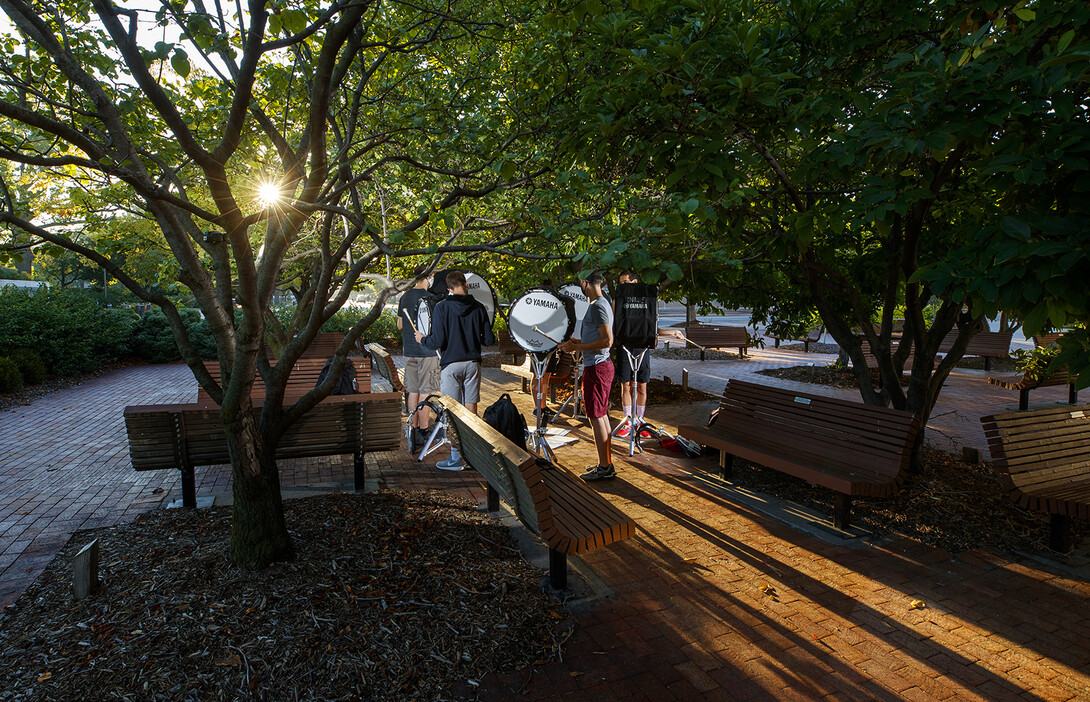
<point>688,618</point>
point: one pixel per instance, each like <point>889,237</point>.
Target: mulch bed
<point>949,503</point>
<point>408,595</point>
<point>691,354</point>
<point>843,378</point>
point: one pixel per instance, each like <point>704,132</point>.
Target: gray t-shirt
<point>597,314</point>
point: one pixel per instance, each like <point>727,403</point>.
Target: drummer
<point>459,328</point>
<point>595,338</point>
<point>643,375</point>
<point>421,365</point>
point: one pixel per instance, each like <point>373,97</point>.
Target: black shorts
<point>624,368</point>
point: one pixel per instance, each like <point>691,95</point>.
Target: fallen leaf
<point>230,660</point>
<point>44,676</point>
<point>918,604</point>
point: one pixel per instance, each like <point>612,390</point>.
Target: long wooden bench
<point>987,344</point>
<point>1042,458</point>
<point>856,450</point>
<point>812,337</point>
<point>715,337</point>
<point>301,380</point>
<point>569,516</point>
<point>181,437</point>
<point>384,365</point>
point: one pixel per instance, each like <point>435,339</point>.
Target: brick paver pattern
<point>711,600</point>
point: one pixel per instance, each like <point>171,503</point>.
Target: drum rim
<point>572,321</point>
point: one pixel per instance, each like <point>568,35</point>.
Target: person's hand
<point>676,333</point>
<point>419,337</point>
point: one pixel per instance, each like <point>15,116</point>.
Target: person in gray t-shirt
<point>595,340</point>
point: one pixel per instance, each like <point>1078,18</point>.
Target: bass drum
<point>550,312</point>
<point>575,292</point>
<point>476,286</point>
<point>423,314</point>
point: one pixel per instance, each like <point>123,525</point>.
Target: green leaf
<point>690,205</point>
<point>507,170</point>
<point>1025,14</point>
<point>180,63</point>
<point>1065,41</point>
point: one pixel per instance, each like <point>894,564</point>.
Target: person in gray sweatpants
<point>459,328</point>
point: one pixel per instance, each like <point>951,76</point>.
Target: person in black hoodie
<point>459,328</point>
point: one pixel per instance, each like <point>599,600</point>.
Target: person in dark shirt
<point>421,364</point>
<point>459,328</point>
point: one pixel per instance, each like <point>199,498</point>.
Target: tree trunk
<point>259,535</point>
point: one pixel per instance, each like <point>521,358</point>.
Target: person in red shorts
<point>595,340</point>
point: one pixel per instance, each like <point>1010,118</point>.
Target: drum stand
<point>538,441</point>
<point>438,436</point>
<point>635,425</point>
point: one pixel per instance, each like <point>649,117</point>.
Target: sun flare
<point>269,194</point>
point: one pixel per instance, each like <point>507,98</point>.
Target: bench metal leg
<point>558,570</point>
<point>726,463</point>
<point>359,471</point>
<point>987,363</point>
<point>842,512</point>
<point>189,487</point>
<point>1023,400</point>
<point>493,499</point>
<point>1059,537</point>
<point>1072,394</point>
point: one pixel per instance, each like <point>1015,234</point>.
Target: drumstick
<point>439,355</point>
<point>546,335</point>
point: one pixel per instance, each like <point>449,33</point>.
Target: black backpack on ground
<point>344,384</point>
<point>504,417</point>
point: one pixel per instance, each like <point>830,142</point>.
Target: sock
<point>640,409</point>
<point>627,409</point>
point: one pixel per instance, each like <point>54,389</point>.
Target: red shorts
<point>597,381</point>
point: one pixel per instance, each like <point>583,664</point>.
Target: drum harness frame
<point>635,424</point>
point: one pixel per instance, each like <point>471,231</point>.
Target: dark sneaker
<point>599,473</point>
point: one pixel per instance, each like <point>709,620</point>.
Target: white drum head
<point>582,304</point>
<point>423,315</point>
<point>551,313</point>
<point>482,292</point>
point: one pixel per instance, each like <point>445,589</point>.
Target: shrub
<point>70,331</point>
<point>30,365</point>
<point>11,380</point>
<point>153,339</point>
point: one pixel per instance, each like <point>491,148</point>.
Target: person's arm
<point>676,333</point>
<point>488,337</point>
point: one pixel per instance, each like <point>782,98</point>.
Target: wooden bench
<point>384,364</point>
<point>988,344</point>
<point>856,450</point>
<point>812,337</point>
<point>569,516</point>
<point>1024,383</point>
<point>324,346</point>
<point>712,337</point>
<point>301,380</point>
<point>508,347</point>
<point>1042,458</point>
<point>182,437</point>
